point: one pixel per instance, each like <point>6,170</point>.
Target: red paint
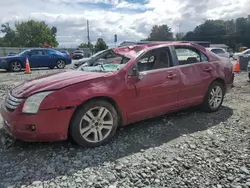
<point>158,92</point>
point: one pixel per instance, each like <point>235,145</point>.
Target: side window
<point>154,59</point>
<point>36,53</point>
<point>187,55</point>
<point>203,57</point>
<point>51,52</point>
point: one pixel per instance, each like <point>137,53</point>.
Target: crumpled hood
<point>52,82</point>
<point>81,61</point>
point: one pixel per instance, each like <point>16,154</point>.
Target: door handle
<point>171,76</point>
<point>208,69</point>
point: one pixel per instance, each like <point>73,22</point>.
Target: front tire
<point>214,97</point>
<point>94,124</point>
<point>60,64</point>
<point>15,66</point>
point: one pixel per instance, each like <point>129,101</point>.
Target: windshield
<point>246,51</point>
<point>102,68</point>
<point>108,64</point>
<point>24,53</point>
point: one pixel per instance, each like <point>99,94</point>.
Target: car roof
<point>132,51</point>
<point>41,49</point>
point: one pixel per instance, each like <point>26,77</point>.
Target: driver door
<point>36,58</point>
<point>156,86</point>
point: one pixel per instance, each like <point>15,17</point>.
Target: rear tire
<point>214,97</point>
<point>60,64</point>
<point>94,124</point>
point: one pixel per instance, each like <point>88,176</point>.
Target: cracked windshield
<point>125,94</point>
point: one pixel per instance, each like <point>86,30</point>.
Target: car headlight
<point>3,61</point>
<point>32,104</point>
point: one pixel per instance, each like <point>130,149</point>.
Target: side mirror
<point>135,71</point>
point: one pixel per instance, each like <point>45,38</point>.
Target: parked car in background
<point>90,103</point>
<point>220,52</point>
<point>12,54</point>
<point>104,56</point>
<point>245,53</point>
<point>40,57</point>
<point>78,54</point>
<point>230,51</point>
<point>248,70</point>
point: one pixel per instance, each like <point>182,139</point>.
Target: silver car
<point>220,52</point>
<point>245,53</point>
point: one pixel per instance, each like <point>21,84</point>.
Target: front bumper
<point>50,125</point>
<point>4,65</point>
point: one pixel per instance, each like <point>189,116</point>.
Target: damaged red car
<point>89,104</point>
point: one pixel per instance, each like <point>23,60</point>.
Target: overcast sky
<point>130,19</point>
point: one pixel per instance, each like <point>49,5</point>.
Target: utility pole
<point>88,34</point>
<point>179,26</point>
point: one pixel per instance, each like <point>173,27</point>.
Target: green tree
<point>179,36</point>
<point>231,32</point>
<point>160,33</point>
<point>100,45</point>
<point>9,38</point>
<point>1,42</point>
<point>29,34</point>
<point>85,45</point>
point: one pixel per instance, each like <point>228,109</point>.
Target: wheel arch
<point>222,81</point>
<point>105,98</point>
<point>19,60</point>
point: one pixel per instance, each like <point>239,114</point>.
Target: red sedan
<point>91,102</point>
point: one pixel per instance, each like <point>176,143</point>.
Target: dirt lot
<point>185,149</point>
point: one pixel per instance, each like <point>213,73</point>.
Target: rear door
<point>156,86</point>
<point>50,58</point>
<point>196,75</point>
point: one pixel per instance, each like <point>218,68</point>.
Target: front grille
<point>11,102</point>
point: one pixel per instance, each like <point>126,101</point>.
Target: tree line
<point>234,33</point>
<point>37,34</point>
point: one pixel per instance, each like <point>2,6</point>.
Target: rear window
<point>218,51</point>
<point>53,52</point>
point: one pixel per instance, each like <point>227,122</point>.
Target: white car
<point>220,52</point>
<point>248,70</point>
<point>245,53</point>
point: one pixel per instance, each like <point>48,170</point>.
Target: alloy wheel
<point>60,64</point>
<point>16,66</point>
<point>96,124</point>
<point>215,97</point>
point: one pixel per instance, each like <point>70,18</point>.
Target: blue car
<point>40,57</point>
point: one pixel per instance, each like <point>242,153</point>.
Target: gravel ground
<point>184,149</point>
